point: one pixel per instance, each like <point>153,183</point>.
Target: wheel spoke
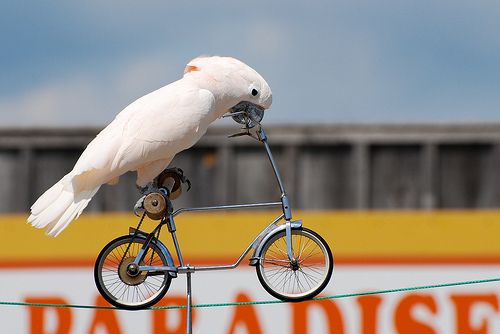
<point>130,291</point>
<point>299,281</point>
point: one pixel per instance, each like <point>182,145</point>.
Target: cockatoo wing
<point>145,136</point>
<point>165,126</point>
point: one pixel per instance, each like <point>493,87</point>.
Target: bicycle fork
<point>287,211</point>
<point>289,248</point>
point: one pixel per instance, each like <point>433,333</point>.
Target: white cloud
<point>87,99</point>
<point>51,104</point>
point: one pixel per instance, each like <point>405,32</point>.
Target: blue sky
<point>66,63</point>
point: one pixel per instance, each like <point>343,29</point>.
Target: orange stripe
<point>196,261</point>
<point>47,263</point>
<point>418,261</point>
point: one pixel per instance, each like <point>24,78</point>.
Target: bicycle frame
<point>270,230</point>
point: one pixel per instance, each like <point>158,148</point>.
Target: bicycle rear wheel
<point>295,281</point>
<point>123,289</point>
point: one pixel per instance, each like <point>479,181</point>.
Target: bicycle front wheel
<point>303,279</point>
<point>125,289</point>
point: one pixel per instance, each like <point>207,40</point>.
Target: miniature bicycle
<point>134,271</point>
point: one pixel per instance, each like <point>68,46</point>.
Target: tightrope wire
<point>264,302</point>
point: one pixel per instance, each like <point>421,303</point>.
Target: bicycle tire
<point>118,287</point>
<point>314,265</point>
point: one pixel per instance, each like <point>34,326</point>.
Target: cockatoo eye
<point>255,92</point>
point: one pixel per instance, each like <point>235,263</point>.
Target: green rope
<point>264,302</point>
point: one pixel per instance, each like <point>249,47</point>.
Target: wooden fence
<point>323,167</point>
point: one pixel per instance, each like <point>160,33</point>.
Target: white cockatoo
<point>147,134</point>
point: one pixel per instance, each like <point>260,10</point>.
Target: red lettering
<point>162,322</point>
<point>330,309</point>
<point>463,306</point>
<point>245,316</point>
<point>37,315</point>
<point>104,318</point>
<point>404,321</point>
<point>369,309</point>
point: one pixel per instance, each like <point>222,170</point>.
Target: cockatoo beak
<point>247,113</point>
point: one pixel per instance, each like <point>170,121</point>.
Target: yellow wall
<point>378,236</point>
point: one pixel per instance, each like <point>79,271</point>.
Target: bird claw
<point>139,207</point>
<point>148,188</point>
<point>155,187</point>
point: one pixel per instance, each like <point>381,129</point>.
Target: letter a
<point>245,316</point>
<point>104,318</point>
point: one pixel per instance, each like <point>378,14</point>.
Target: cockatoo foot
<point>148,188</point>
<point>139,207</point>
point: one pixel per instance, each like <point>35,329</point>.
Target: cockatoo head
<point>231,81</point>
